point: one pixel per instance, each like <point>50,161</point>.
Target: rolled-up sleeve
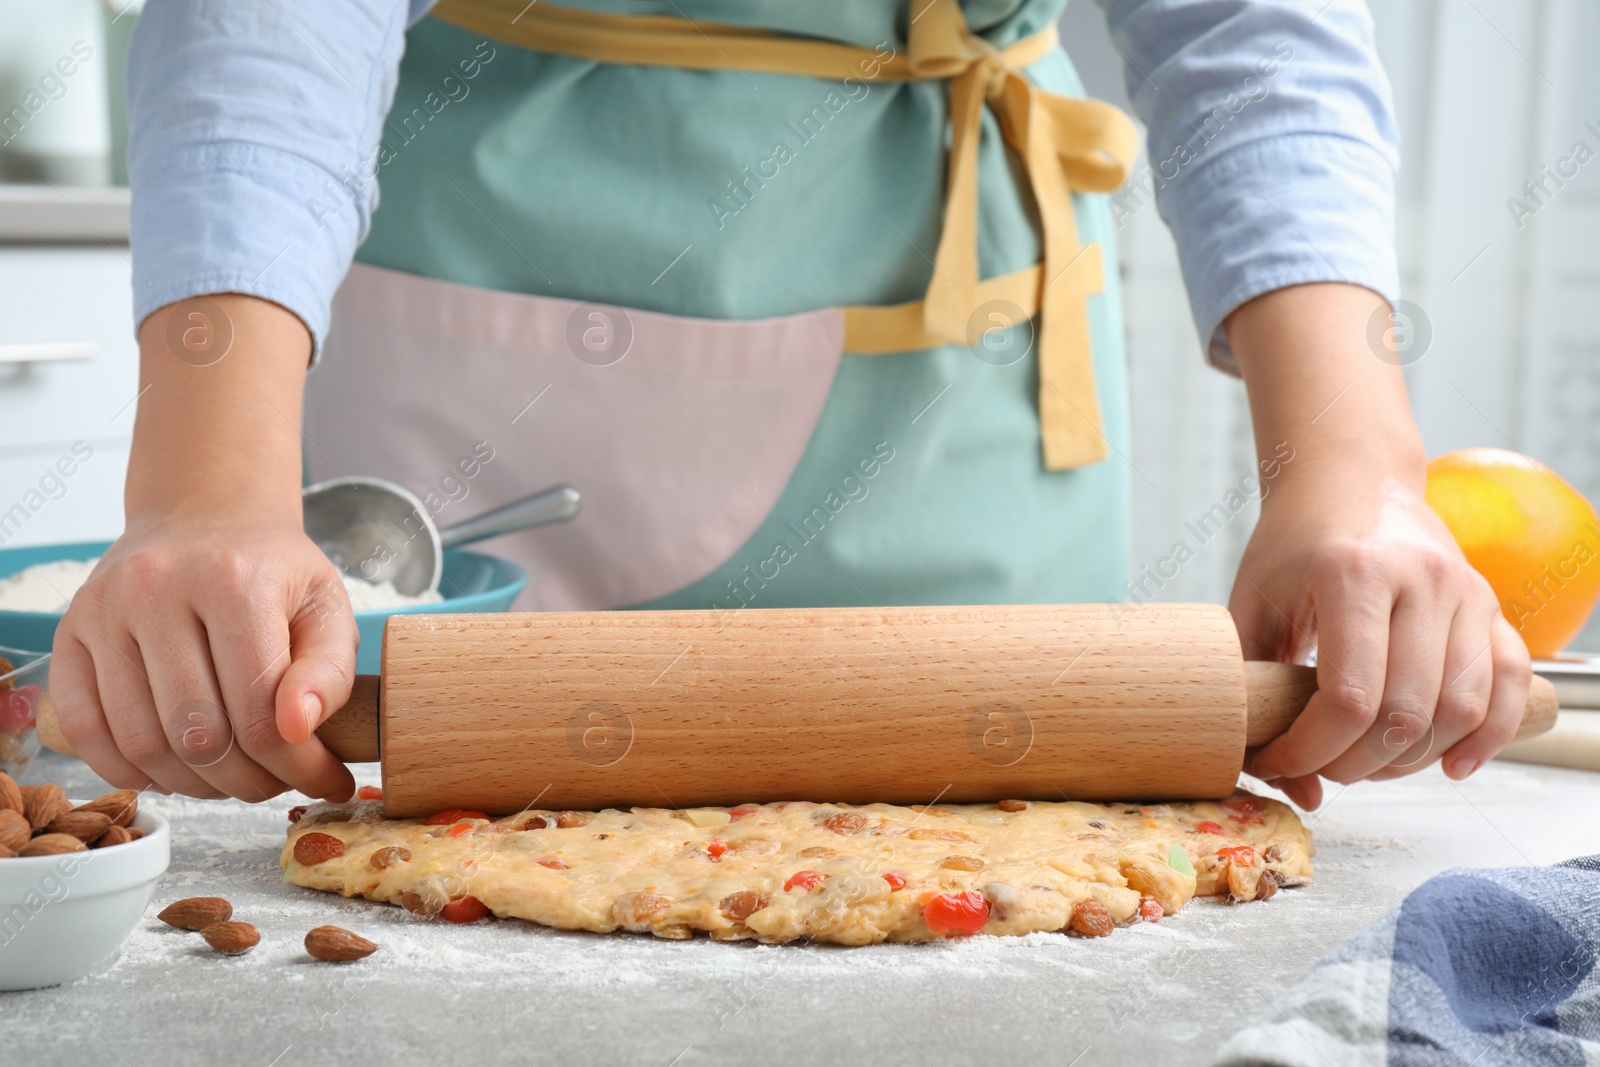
<point>1272,146</point>
<point>253,139</point>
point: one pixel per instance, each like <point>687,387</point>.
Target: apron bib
<point>679,433</point>
<point>712,446</point>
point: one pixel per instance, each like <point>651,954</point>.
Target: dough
<point>824,872</point>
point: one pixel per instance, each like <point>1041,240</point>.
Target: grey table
<point>512,993</point>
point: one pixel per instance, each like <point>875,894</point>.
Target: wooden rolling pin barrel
<point>586,710</point>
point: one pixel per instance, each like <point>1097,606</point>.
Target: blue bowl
<point>471,582</point>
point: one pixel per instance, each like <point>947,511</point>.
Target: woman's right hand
<point>213,637</point>
<point>200,656</point>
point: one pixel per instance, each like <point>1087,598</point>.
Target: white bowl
<point>61,916</point>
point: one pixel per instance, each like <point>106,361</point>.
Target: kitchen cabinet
<point>68,379</point>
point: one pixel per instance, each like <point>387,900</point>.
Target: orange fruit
<point>1533,536</point>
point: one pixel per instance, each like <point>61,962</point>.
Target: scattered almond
<point>52,845</point>
<point>86,826</point>
<point>231,937</point>
<point>14,830</point>
<point>10,793</point>
<point>120,807</point>
<point>44,805</point>
<point>337,945</point>
<point>196,913</point>
<point>114,835</point>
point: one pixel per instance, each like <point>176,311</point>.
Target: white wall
<point>1486,91</point>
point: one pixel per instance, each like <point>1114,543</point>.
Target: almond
<point>134,833</point>
<point>196,913</point>
<point>14,829</point>
<point>6,853</point>
<point>337,945</point>
<point>114,835</point>
<point>52,845</point>
<point>47,802</point>
<point>10,793</point>
<point>231,937</point>
<point>120,807</point>
<point>86,826</point>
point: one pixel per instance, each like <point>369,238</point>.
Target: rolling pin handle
<point>1276,694</point>
<point>49,729</point>
<point>351,733</point>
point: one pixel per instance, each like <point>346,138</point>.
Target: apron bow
<point>1066,145</point>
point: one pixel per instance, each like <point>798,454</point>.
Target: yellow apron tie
<point>1065,145</point>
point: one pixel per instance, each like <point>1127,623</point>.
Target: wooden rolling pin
<point>586,710</point>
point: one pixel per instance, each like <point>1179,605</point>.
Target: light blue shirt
<point>254,134</point>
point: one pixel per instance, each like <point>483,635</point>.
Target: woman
<point>814,306</point>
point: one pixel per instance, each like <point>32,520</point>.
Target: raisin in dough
<point>874,868</point>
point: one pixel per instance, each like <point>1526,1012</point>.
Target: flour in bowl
<point>374,596</point>
<point>46,587</point>
<point>49,587</point>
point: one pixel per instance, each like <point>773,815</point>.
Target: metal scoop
<point>375,530</point>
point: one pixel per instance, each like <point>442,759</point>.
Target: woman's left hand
<point>1415,663</point>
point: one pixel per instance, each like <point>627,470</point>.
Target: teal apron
<point>921,480</point>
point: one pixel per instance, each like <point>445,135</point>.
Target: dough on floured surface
<point>723,871</point>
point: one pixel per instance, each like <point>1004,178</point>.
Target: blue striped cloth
<point>1479,967</point>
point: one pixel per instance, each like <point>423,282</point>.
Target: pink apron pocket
<point>680,433</point>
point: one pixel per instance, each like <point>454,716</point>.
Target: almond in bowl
<point>75,878</point>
